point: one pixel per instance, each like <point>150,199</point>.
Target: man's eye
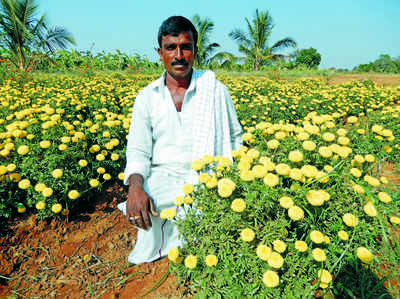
<point>170,47</point>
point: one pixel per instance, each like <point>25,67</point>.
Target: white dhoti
<point>155,243</point>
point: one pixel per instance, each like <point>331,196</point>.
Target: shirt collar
<point>160,82</point>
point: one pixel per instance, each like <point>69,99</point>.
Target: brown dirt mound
<point>85,257</point>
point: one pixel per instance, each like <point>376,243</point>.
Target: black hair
<point>175,25</point>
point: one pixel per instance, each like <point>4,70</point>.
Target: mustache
<point>179,62</point>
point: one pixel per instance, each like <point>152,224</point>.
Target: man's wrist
<point>135,181</point>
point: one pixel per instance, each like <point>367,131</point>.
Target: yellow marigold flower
<point>39,187</point>
<point>309,171</point>
<point>263,252</point>
<point>3,169</point>
<point>384,180</point>
<point>226,187</point>
<point>168,213</point>
<point>100,157</point>
<point>319,255</point>
<point>57,173</point>
<point>301,246</point>
<point>65,139</point>
<point>279,246</point>
<point>327,240</point>
<point>23,150</point>
<point>296,174</point>
<point>211,260</point>
<point>62,147</point>
<point>246,175</point>
<point>259,171</point>
<point>212,183</point>
<point>271,180</point>
<point>295,156</point>
<point>275,260</point>
<point>358,189</point>
<point>364,255</point>
<point>325,152</point>
<point>94,182</point>
<point>101,170</point>
<point>342,140</point>
<point>317,237</point>
<point>44,144</point>
<point>316,197</point>
<point>179,200</point>
<point>328,137</point>
<point>238,205</point>
<point>296,213</point>
<point>11,167</point>
<point>341,132</point>
<point>114,156</point>
<point>370,210</point>
<point>350,219</point>
<point>395,220</point>
<point>24,184</point>
<point>174,255</point>
<point>374,182</point>
<point>121,176</point>
<point>271,279</point>
<point>208,159</point>
<point>253,153</point>
<point>286,202</point>
<point>309,145</point>
<point>73,194</point>
<point>56,208</point>
<point>107,176</point>
<point>384,197</point>
<point>197,165</point>
<point>247,234</point>
<point>247,137</point>
<point>94,148</point>
<point>21,208</point>
<point>40,205</point>
<point>352,119</point>
<point>369,158</point>
<point>188,189</point>
<point>204,177</point>
<point>47,192</point>
<point>324,276</point>
<point>82,163</point>
<point>356,172</point>
<point>282,169</point>
<point>343,235</point>
<point>190,261</point>
<point>273,144</point>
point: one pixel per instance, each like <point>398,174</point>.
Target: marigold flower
<point>395,220</point>
<point>94,183</point>
<point>295,156</point>
<point>23,150</point>
<point>11,167</point>
<point>47,192</point>
<point>309,171</point>
<point>343,235</point>
<point>174,254</point>
<point>317,237</point>
<point>190,261</point>
<point>212,183</point>
<point>356,172</point>
<point>296,213</point>
<point>57,173</point>
<point>318,254</point>
<point>309,145</point>
<point>82,163</point>
<point>73,194</point>
<point>197,165</point>
<point>324,276</point>
<point>168,214</point>
<point>271,180</point>
<point>188,200</point>
<point>364,255</point>
<point>370,210</point>
<point>301,246</point>
<point>247,235</point>
<point>325,152</point>
<point>286,202</point>
<point>226,187</point>
<point>263,252</point>
<point>369,158</point>
<point>282,169</point>
<point>279,246</point>
<point>296,174</point>
<point>238,205</point>
<point>271,279</point>
<point>121,176</point>
<point>275,260</point>
<point>40,205</point>
<point>358,189</point>
<point>44,144</point>
<point>273,144</point>
<point>24,184</point>
<point>253,153</point>
<point>246,175</point>
<point>56,208</point>
<point>317,197</point>
<point>350,219</point>
<point>211,260</point>
<point>259,171</point>
<point>107,176</point>
<point>101,170</point>
<point>384,197</point>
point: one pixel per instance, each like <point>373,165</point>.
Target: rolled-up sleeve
<point>139,148</point>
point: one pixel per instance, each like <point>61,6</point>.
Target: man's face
<point>177,53</point>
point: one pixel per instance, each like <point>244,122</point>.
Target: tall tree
<point>205,48</point>
<point>28,39</point>
<point>254,43</point>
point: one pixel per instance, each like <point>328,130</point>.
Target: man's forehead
<point>175,36</point>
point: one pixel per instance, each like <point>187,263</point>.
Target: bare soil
<point>380,79</point>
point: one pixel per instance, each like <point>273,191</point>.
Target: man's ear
<point>159,52</point>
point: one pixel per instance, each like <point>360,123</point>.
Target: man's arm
<point>139,204</point>
<point>234,125</point>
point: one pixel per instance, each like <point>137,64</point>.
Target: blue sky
<point>345,32</point>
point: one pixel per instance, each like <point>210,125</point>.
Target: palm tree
<point>254,43</point>
<point>204,47</point>
<point>26,38</point>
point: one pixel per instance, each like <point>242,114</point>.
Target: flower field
<point>302,203</point>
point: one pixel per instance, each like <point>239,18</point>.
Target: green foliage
<point>254,43</point>
<point>26,38</point>
<point>384,64</point>
<point>309,57</point>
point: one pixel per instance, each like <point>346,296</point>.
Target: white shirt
<point>159,136</point>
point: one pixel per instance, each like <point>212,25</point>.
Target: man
<point>176,119</point>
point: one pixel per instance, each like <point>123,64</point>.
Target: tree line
<point>28,42</point>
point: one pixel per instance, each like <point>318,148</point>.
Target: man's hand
<point>139,204</point>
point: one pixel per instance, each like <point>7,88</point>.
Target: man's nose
<point>178,53</point>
